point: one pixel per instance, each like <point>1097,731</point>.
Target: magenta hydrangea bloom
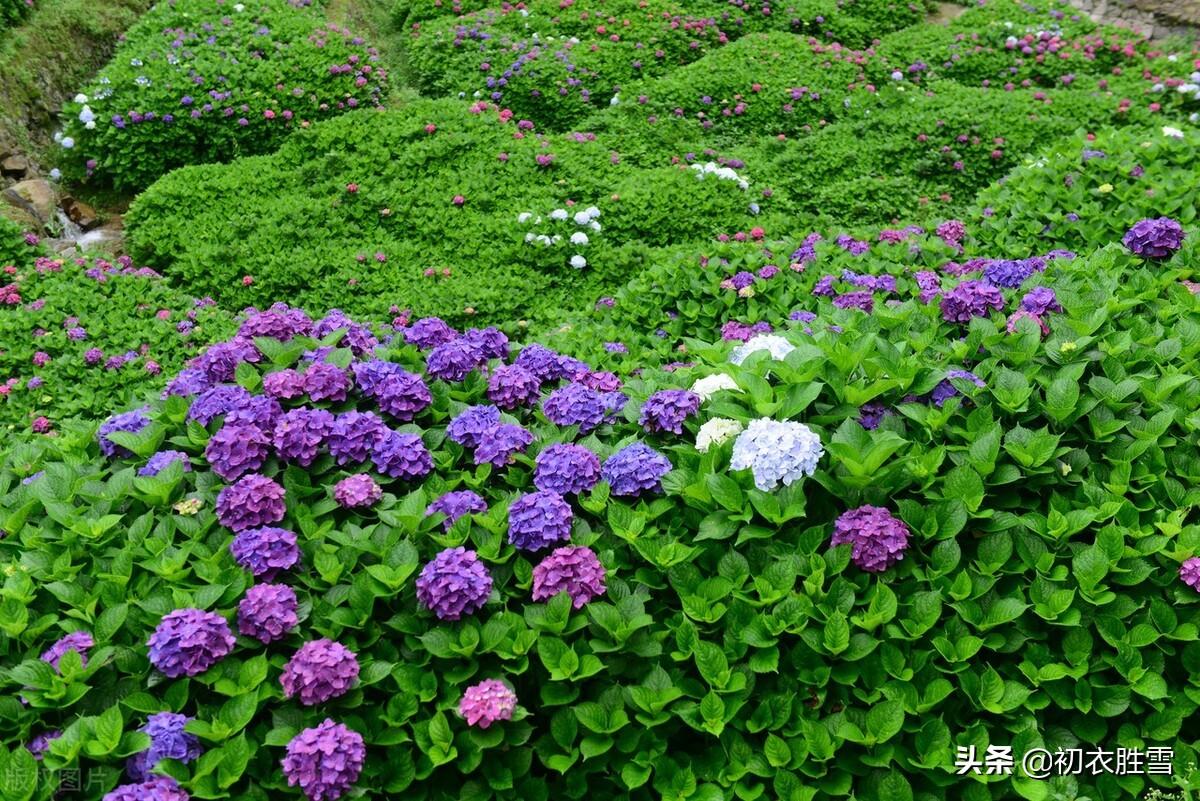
<point>354,436</point>
<point>284,384</point>
<point>575,405</point>
<point>357,492</point>
<point>326,382</point>
<point>453,360</point>
<point>265,551</point>
<point>1189,571</point>
<point>877,538</point>
<point>456,504</point>
<point>251,501</point>
<point>501,443</point>
<point>78,641</point>
<point>635,469</point>
<point>566,469</point>
<point>666,410</point>
<point>511,386</point>
<point>320,670</point>
<point>485,703</point>
<point>429,332</point>
<point>538,520</point>
<point>155,788</point>
<point>324,760</point>
<point>237,449</point>
<point>280,322</point>
<point>300,433</point>
<point>401,455</point>
<point>1154,238</point>
<point>970,299</point>
<point>188,642</point>
<point>454,583</point>
<point>469,426</point>
<point>572,569</point>
<point>168,740</point>
<point>267,612</point>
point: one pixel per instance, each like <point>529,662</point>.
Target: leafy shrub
<point>436,187</point>
<point>1041,510</point>
<point>201,81</point>
<point>13,11</point>
<point>15,245</point>
<point>416,11</point>
<point>852,22</point>
<point>80,337</point>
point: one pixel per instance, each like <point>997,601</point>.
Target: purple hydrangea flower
<point>161,460</point>
<point>930,284</point>
<point>300,433</point>
<point>236,450</point>
<point>354,436</point>
<point>1009,274</point>
<point>325,760</point>
<point>320,670</point>
<point>284,384</point>
<point>326,382</point>
<point>168,740</point>
<point>279,322</point>
<point>871,414</point>
<point>878,540</point>
<point>252,501</point>
<point>358,337</point>
<point>635,469</point>
<point>573,569</point>
<point>544,363</point>
<point>1154,239</point>
<point>212,403</point>
<point>456,504</point>
<point>1189,572</point>
<point>220,361</point>
<point>511,386</point>
<point>454,583</point>
<point>1040,300</point>
<point>566,469</point>
<point>188,642</point>
<point>155,788</point>
<point>575,405</point>
<point>538,520</point>
<point>453,360</point>
<point>357,492</point>
<point>267,612</point>
<point>490,342</point>
<point>499,444</point>
<point>257,410</point>
<point>666,410</point>
<point>265,551</point>
<point>399,455</point>
<point>946,390</point>
<point>970,299</point>
<point>40,743</point>
<point>863,301</point>
<point>485,703</point>
<point>468,428</point>
<point>77,641</point>
<point>429,332</point>
<point>403,395</point>
<point>132,421</point>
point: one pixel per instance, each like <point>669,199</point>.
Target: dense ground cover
<point>863,426</point>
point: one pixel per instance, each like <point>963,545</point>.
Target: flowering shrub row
<point>207,80</point>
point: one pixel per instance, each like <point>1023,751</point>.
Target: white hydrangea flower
<point>778,347</point>
<point>776,452</point>
<point>582,218</point>
<point>524,216</point>
<point>58,136</point>
<point>1174,133</point>
<point>615,100</point>
<point>715,432</point>
<point>754,208</point>
<point>554,240</point>
<point>592,211</point>
<point>81,98</point>
<point>68,142</point>
<point>529,237</point>
<point>1010,42</point>
<point>710,385</point>
<point>90,125</point>
<point>135,62</point>
<point>579,238</point>
<point>86,114</point>
<point>1194,116</point>
<point>595,226</point>
<point>897,75</point>
<point>55,174</point>
<point>578,262</point>
<point>558,214</point>
<point>238,7</point>
<point>1184,88</point>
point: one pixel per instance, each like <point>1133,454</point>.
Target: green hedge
<point>198,81</point>
<point>13,11</point>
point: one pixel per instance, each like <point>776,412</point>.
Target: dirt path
<point>946,12</point>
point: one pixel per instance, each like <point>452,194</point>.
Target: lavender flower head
<point>357,492</point>
<point>161,460</point>
<point>284,384</point>
<point>776,452</point>
<point>635,469</point>
<point>575,405</point>
<point>468,428</point>
<point>429,332</point>
<point>326,382</point>
<point>252,501</point>
<point>257,410</point>
<point>1189,572</point>
<point>325,760</point>
<point>155,788</point>
<point>946,389</point>
<point>538,520</point>
<point>39,744</point>
<point>320,670</point>
<point>1154,238</point>
<point>454,583</point>
<point>220,361</point>
<point>666,410</point>
<point>871,414</point>
<point>279,322</point>
<point>501,443</point>
<point>970,299</point>
<point>490,342</point>
<point>354,436</point>
<point>236,450</point>
<point>544,363</point>
<point>511,386</point>
<point>403,395</point>
<point>401,455</point>
<point>188,642</point>
<point>77,641</point>
<point>455,505</point>
<point>1040,300</point>
<point>168,740</point>
<point>212,403</point>
<point>485,703</point>
<point>566,469</point>
<point>573,569</point>
<point>267,612</point>
<point>877,538</point>
<point>1008,273</point>
<point>132,422</point>
<point>300,433</point>
<point>265,551</point>
<point>453,360</point>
